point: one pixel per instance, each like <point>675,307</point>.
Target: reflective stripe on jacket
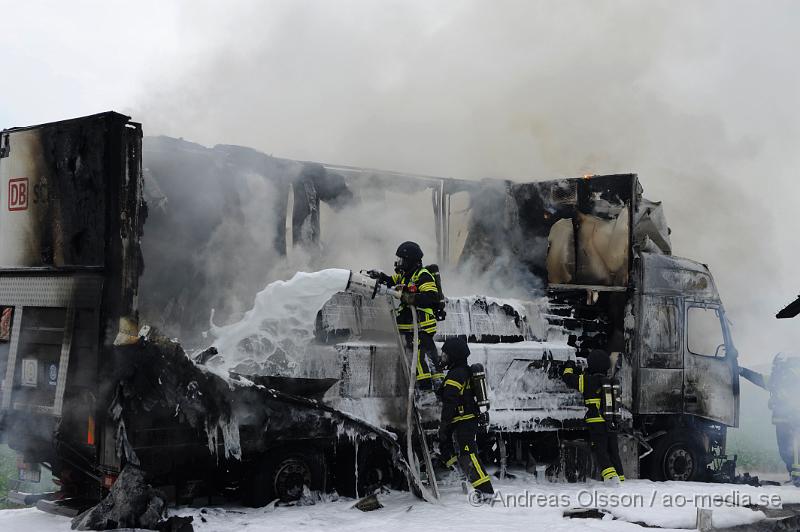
<point>421,282</point>
<point>458,400</point>
<point>591,386</point>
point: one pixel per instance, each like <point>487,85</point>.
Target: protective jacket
<point>422,284</point>
<point>458,399</point>
<point>591,386</point>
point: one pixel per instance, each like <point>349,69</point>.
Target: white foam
<point>277,330</point>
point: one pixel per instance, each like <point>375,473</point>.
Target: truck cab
<point>686,380</point>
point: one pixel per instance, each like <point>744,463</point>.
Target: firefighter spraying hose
<point>367,286</point>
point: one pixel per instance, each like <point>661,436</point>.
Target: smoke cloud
<point>699,99</point>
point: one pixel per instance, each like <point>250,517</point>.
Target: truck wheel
<point>374,469</point>
<point>677,457</point>
<point>282,475</point>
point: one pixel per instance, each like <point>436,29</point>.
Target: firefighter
<point>459,424</point>
<point>785,412</point>
<point>419,289</point>
<point>602,435</point>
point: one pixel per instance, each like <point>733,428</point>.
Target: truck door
<point>710,364</point>
<point>660,383</point>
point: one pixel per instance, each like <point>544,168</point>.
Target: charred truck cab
<point>614,285</point>
<point>687,385</point>
<point>70,224</point>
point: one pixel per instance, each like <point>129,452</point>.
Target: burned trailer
<point>70,224</point>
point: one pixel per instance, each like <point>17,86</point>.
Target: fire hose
<point>366,286</point>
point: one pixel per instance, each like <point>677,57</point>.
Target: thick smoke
<point>700,99</point>
<point>696,98</point>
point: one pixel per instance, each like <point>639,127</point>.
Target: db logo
<point>18,194</point>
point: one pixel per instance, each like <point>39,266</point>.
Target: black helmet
<point>598,361</point>
<point>455,351</point>
<point>409,257</point>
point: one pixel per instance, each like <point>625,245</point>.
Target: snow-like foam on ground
<point>524,504</point>
<point>276,332</point>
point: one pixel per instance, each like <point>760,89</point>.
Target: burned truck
<point>87,389</point>
<point>589,260</point>
<point>610,282</point>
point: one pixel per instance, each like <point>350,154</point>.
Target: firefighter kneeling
<point>460,415</point>
<point>600,395</point>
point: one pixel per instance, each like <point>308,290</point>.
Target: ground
<point>671,505</point>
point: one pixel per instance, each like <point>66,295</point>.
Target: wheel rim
<point>678,463</point>
<point>290,477</point>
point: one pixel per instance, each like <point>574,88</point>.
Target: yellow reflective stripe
<point>595,420</point>
<point>568,371</point>
<point>451,382</point>
<point>478,482</point>
<point>418,274</point>
<point>423,376</point>
<point>463,418</point>
<point>437,375</point>
<point>481,475</point>
<point>427,287</point>
<point>580,383</point>
<point>595,401</point>
<point>452,461</point>
<point>796,473</point>
<point>608,473</point>
<point>431,328</point>
<point>622,478</point>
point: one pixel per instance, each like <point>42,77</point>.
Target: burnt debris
<point>177,418</point>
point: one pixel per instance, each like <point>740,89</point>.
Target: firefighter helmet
<point>409,256</point>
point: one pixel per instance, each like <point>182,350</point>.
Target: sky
<point>700,98</point>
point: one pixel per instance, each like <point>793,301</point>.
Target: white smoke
<point>695,97</point>
<point>699,98</point>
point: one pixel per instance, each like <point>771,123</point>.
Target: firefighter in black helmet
<point>419,290</point>
<point>459,424</point>
<point>602,435</point>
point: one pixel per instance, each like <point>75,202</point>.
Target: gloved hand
<point>408,298</point>
<point>379,276</point>
<point>483,420</point>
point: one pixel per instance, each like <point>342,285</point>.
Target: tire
<point>374,469</point>
<point>677,457</point>
<point>282,475</point>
